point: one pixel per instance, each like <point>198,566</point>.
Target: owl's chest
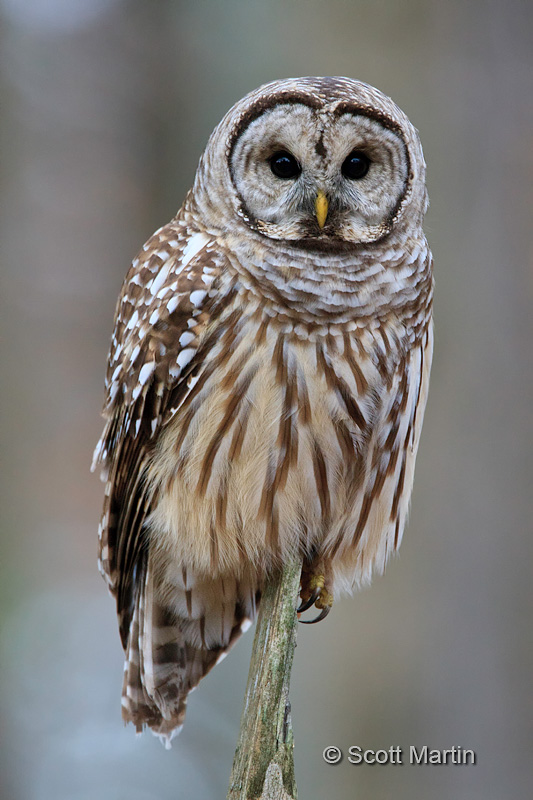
<point>265,404</point>
<point>272,443</point>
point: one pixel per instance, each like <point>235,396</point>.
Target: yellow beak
<point>321,208</point>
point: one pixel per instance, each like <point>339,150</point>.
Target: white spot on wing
<point>132,321</point>
<point>197,297</point>
<point>173,304</point>
<point>186,338</point>
<point>145,372</point>
<point>160,278</point>
<point>193,246</point>
<point>185,356</point>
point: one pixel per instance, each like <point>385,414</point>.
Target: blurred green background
<point>106,107</point>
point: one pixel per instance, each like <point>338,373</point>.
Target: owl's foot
<point>314,592</point>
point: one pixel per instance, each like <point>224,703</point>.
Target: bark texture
<point>263,767</point>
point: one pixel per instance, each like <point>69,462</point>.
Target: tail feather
<point>173,643</point>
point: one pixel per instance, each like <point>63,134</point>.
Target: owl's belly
<point>274,458</point>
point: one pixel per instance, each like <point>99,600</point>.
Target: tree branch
<point>263,768</point>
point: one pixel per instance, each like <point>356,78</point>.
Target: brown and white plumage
<point>267,380</point>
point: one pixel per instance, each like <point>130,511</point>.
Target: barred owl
<point>266,381</point>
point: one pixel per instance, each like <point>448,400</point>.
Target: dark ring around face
<point>291,97</point>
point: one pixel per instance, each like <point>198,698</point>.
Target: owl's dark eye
<point>355,166</point>
<point>284,165</point>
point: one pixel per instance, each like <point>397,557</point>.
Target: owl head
<point>323,162</point>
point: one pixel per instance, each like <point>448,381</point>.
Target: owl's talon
<point>308,603</point>
<point>314,592</point>
<point>323,614</point>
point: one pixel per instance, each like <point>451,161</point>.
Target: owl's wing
<point>160,322</point>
